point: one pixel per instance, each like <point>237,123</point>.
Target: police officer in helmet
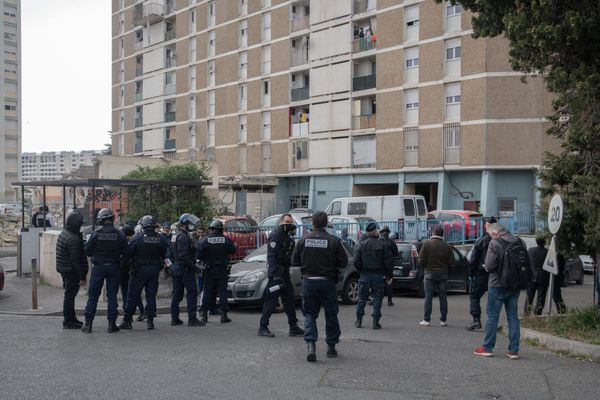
<point>184,276</point>
<point>105,246</point>
<point>214,251</point>
<point>148,250</point>
<point>321,256</point>
<point>279,252</point>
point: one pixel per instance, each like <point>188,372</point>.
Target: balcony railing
<point>170,116</point>
<point>170,35</point>
<point>170,89</point>
<point>299,58</point>
<point>364,82</point>
<point>169,144</point>
<point>361,6</point>
<point>300,23</point>
<point>300,94</point>
<point>452,155</point>
<point>300,129</point>
<point>138,148</point>
<point>139,71</point>
<point>139,121</point>
<point>300,165</point>
<point>364,44</point>
<point>149,12</point>
<point>365,121</point>
<point>170,62</point>
<point>137,46</point>
<point>139,96</point>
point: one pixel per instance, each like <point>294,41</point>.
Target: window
<point>411,56</point>
<point>243,157</point>
<point>212,41</point>
<point>336,208</point>
<point>244,33</point>
<point>243,132</point>
<point>192,77</point>
<point>211,13</point>
<point>211,103</point>
<point>266,26</point>
<point>266,93</point>
<point>452,94</point>
<point>210,132</point>
<point>357,208</point>
<point>409,207</point>
<point>170,78</point>
<point>243,97</point>
<point>211,73</point>
<point>411,102</point>
<point>411,18</point>
<point>266,126</point>
<point>243,65</point>
<point>452,50</point>
<point>453,10</point>
<point>266,3</point>
<point>453,53</point>
<point>192,21</point>
<point>363,154</point>
<point>192,50</point>
<point>266,157</point>
<point>266,60</point>
<point>411,146</point>
<point>243,7</point>
<point>452,143</point>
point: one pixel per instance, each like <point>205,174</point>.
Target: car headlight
<point>254,277</point>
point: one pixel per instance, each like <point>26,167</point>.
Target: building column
<point>311,193</point>
<point>401,183</point>
<point>537,198</point>
<point>351,185</point>
<point>443,187</point>
<point>488,204</point>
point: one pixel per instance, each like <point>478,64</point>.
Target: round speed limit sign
<point>555,214</point>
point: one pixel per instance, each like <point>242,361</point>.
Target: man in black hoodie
<point>72,264</point>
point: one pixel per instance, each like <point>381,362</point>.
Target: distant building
<point>10,131</point>
<point>53,165</point>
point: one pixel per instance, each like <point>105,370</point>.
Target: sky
<point>66,74</point>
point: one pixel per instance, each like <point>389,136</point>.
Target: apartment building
<point>10,132</point>
<point>54,165</point>
<point>310,100</point>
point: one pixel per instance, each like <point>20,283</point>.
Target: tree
<point>167,203</point>
<point>561,41</point>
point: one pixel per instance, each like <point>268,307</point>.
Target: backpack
<point>515,264</point>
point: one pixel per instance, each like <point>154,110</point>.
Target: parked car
<point>354,228</point>
<point>266,226</point>
<point>453,221</point>
<point>1,278</point>
<point>248,280</point>
<point>242,230</point>
<point>573,271</point>
<point>409,273</point>
<point>588,263</point>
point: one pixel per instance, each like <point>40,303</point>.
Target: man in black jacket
<point>321,257</point>
<point>384,235</point>
<point>538,278</point>
<point>72,265</point>
<point>479,276</point>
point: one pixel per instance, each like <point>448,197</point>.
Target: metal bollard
<point>34,296</point>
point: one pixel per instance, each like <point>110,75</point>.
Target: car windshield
<point>306,220</point>
<point>240,224</point>
<point>404,250</point>
<point>258,255</point>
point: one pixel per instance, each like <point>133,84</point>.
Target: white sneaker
<point>425,323</point>
<point>443,323</point>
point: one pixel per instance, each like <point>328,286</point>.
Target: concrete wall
<point>47,264</point>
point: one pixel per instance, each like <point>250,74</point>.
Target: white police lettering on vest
<point>216,240</point>
<point>316,243</point>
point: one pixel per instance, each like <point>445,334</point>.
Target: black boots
<point>331,351</point>
<point>224,318</point>
<point>312,352</point>
<point>264,331</point>
<point>358,322</point>
<point>112,327</point>
<point>125,325</point>
<point>150,323</point>
<point>390,302</point>
<point>376,324</point>
<point>72,324</point>
<point>141,317</point>
<point>476,324</point>
<point>176,321</point>
<point>295,330</point>
<point>195,322</point>
<point>204,317</point>
<point>87,327</point>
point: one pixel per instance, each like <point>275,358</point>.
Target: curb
<point>560,344</point>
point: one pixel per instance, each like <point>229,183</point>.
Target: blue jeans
<point>100,272</point>
<point>498,297</point>
<point>146,277</point>
<point>437,280</point>
<point>376,282</point>
<point>317,294</point>
<point>184,278</point>
<point>479,285</point>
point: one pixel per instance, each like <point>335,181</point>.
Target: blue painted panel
<point>327,188</point>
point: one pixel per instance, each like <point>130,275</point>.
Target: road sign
<point>555,214</point>
<point>550,263</point>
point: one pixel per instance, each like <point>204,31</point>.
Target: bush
<point>581,324</point>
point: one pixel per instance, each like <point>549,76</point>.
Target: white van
<point>407,212</point>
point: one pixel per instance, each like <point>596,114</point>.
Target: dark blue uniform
<point>279,253</point>
<point>214,251</point>
<point>385,237</point>
<point>106,246</point>
<point>184,276</point>
<point>148,251</point>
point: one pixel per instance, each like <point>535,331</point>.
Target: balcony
<point>299,58</point>
<point>170,144</point>
<point>170,62</point>
<point>170,35</point>
<point>361,6</point>
<point>139,70</point>
<point>364,44</point>
<point>170,89</point>
<point>364,82</point>
<point>300,23</point>
<point>298,165</point>
<point>364,121</point>
<point>138,148</point>
<point>149,12</point>
<point>452,155</point>
<point>139,121</point>
<point>300,94</point>
<point>170,116</point>
<point>139,96</point>
<point>300,129</point>
<point>138,45</point>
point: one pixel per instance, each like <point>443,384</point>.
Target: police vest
<point>108,246</point>
<point>151,249</point>
<point>216,251</point>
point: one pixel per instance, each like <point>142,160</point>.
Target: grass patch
<point>580,324</point>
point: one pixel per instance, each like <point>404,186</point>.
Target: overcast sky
<point>66,64</point>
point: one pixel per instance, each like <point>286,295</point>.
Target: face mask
<point>289,228</point>
<point>190,228</point>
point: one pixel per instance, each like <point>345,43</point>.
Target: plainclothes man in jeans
<point>499,296</point>
<point>436,257</point>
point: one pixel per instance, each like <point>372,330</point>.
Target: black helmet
<point>104,215</point>
<point>148,221</point>
<point>128,230</point>
<point>216,225</point>
<point>74,219</point>
<point>188,221</point>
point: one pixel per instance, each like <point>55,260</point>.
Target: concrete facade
<point>321,94</point>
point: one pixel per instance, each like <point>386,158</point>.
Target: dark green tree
<point>559,40</point>
<point>167,203</point>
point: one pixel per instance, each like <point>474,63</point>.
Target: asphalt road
<point>402,361</point>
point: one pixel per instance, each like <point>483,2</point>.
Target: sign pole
<point>550,295</point>
<point>555,215</point>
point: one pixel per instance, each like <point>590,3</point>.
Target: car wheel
<point>421,288</point>
<point>350,292</point>
<point>580,280</point>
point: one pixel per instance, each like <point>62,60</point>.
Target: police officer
<point>479,276</point>
<point>214,251</point>
<point>184,276</point>
<point>279,252</point>
<point>384,235</point>
<point>148,251</point>
<point>126,269</point>
<point>106,246</point>
<point>373,259</point>
<point>321,256</point>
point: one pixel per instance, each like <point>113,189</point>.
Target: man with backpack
<point>507,262</point>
